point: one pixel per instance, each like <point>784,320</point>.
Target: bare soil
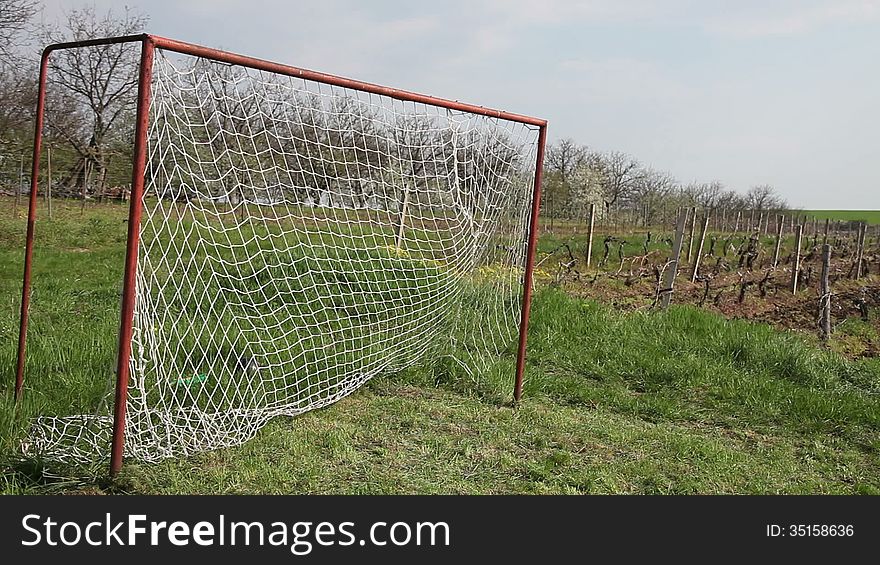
<point>759,295</point>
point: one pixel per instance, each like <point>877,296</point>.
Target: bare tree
<point>564,157</point>
<point>763,197</point>
<point>15,19</point>
<point>622,174</point>
<point>651,193</point>
<point>96,84</point>
<point>357,144</point>
<point>17,98</point>
<point>710,194</point>
<point>17,91</point>
<point>730,200</point>
<point>564,160</point>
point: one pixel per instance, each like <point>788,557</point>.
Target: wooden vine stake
<point>825,299</point>
<point>590,228</point>
<point>669,281</point>
<point>796,259</point>
<point>699,254</point>
<point>780,226</point>
<point>693,217</point>
<point>49,181</point>
<point>860,249</point>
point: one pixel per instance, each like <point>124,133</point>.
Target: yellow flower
<point>490,273</point>
<point>397,251</point>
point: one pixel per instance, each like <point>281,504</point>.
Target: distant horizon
<point>744,94</point>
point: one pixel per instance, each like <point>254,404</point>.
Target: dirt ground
<point>760,295</point>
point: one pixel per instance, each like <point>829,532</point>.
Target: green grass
<point>870,216</point>
<point>312,311</point>
<point>679,401</point>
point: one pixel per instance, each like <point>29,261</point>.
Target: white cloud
<point>790,18</point>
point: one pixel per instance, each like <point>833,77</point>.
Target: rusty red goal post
<point>292,234</point>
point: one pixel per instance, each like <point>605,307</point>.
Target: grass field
<point>872,217</point>
<point>680,401</point>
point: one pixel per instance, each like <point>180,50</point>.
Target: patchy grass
<point>857,338</point>
<point>680,401</point>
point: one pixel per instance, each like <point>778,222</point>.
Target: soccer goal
<point>292,234</point>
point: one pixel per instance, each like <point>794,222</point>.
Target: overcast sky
<point>745,92</point>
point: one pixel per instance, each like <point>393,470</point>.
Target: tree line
<point>620,187</point>
<point>91,98</point>
<point>235,134</point>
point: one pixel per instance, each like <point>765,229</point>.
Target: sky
<point>778,92</point>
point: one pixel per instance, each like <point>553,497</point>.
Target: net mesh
<point>299,239</point>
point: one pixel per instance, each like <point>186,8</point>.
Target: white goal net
<point>299,239</point>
